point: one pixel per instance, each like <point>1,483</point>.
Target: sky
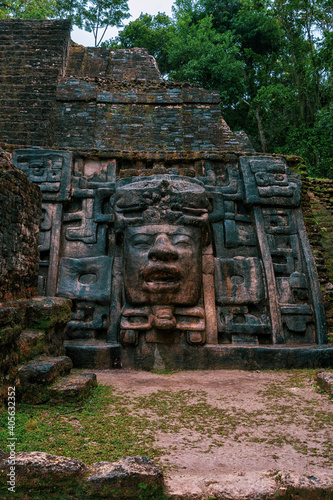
<point>136,7</point>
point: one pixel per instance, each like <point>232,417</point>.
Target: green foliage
<point>271,60</point>
<point>201,55</point>
<point>98,15</point>
<point>28,9</point>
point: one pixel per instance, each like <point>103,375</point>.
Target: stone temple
<point>178,244</point>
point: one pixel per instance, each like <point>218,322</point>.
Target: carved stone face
<point>162,265</point>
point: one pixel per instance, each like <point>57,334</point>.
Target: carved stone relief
<point>222,258</point>
<point>161,225</point>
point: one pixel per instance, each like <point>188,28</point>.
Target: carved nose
<point>163,249</point>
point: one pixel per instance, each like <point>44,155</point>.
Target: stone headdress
<point>160,199</point>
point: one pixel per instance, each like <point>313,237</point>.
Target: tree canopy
<point>93,15</point>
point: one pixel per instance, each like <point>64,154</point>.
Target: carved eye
<point>141,241</point>
<point>182,240</point>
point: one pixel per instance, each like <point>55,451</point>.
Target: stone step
<point>92,353</point>
<point>44,371</point>
<point>31,344</point>
<point>73,387</point>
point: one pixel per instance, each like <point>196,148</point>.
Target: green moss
<point>44,313</point>
<point>9,335</point>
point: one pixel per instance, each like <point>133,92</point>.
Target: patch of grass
<point>114,424</point>
<point>164,372</point>
<point>105,430</point>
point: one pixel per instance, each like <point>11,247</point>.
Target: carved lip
<point>159,277</point>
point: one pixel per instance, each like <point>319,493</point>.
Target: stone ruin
<point>178,244</point>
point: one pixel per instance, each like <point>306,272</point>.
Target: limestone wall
<point>317,205</point>
<point>32,55</point>
<point>98,98</point>
<point>20,215</point>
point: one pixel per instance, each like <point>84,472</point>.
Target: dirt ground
<point>236,434</point>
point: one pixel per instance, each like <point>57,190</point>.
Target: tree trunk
<point>261,130</point>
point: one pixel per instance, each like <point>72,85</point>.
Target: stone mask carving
<point>162,265</point>
<point>162,223</point>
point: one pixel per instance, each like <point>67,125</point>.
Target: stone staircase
<point>32,358</point>
<point>50,379</point>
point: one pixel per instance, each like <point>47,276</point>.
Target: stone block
<point>31,344</point>
<point>325,381</point>
<point>269,181</point>
<point>46,312</point>
<point>44,371</point>
<point>74,387</point>
<point>49,169</point>
<point>121,479</point>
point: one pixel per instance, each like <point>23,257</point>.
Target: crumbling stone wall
<point>29,328</point>
<point>117,100</point>
<point>20,216</point>
<point>106,100</point>
<point>317,206</point>
<point>32,56</point>
<point>118,65</point>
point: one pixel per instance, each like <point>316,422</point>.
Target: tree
<point>28,9</point>
<point>71,9</point>
<point>92,15</point>
<point>201,55</point>
<point>98,15</point>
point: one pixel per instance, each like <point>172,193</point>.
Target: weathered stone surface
<point>325,381</point>
<point>50,315</point>
<point>73,387</point>
<point>43,371</point>
<point>248,486</point>
<point>198,243</point>
<point>31,344</point>
<point>122,479</point>
<point>322,481</point>
<point>270,184</point>
<point>259,485</point>
<point>49,469</point>
<point>28,328</point>
<point>214,357</point>
<point>42,472</point>
<point>93,354</point>
<point>33,54</point>
<point>45,312</point>
<point>20,215</point>
<point>49,169</point>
